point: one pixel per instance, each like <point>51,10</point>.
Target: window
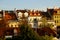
<point>11,25</point>
<point>30,13</point>
<point>55,16</point>
<point>55,11</point>
<point>38,13</point>
<point>34,13</point>
<point>55,21</point>
<point>26,14</point>
<point>38,19</point>
<point>20,14</point>
<point>30,20</point>
<point>0,15</point>
<point>58,12</point>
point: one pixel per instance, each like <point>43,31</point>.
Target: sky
<point>28,4</point>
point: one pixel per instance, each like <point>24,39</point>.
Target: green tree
<point>46,37</point>
<point>8,39</point>
<point>26,33</point>
<point>45,24</point>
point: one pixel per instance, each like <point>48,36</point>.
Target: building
<point>9,15</point>
<point>34,14</point>
<point>1,14</point>
<point>22,16</point>
<point>13,19</point>
<point>50,12</point>
<point>56,16</point>
<point>8,22</point>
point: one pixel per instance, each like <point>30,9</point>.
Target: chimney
<point>3,13</point>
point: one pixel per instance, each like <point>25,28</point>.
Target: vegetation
<point>26,33</point>
<point>45,24</point>
<point>46,37</point>
<point>8,39</point>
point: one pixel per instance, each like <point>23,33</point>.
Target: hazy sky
<point>28,4</point>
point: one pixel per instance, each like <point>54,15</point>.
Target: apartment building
<point>34,15</point>
<point>56,16</point>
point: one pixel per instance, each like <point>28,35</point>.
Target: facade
<point>8,23</point>
<point>13,19</point>
<point>22,16</point>
<point>1,15</point>
<point>34,14</point>
<point>56,16</point>
<point>9,15</point>
<point>13,23</point>
<point>50,13</point>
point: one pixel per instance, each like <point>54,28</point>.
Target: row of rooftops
<point>27,10</point>
<point>48,13</point>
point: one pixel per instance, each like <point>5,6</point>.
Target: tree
<point>8,39</point>
<point>26,33</point>
<point>46,37</point>
<point>45,23</point>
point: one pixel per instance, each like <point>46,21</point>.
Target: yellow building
<point>56,16</point>
<point>13,23</point>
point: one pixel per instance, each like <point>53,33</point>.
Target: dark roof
<point>23,11</point>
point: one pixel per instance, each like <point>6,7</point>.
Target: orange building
<point>9,15</point>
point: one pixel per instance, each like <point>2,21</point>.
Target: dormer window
<point>38,13</point>
<point>34,13</point>
<point>20,14</point>
<point>30,13</point>
<point>26,14</point>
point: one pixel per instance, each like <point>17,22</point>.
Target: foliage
<point>46,37</point>
<point>26,33</point>
<point>45,24</point>
<point>8,38</point>
<point>1,39</point>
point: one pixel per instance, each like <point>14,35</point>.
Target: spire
<point>15,12</point>
<point>3,13</point>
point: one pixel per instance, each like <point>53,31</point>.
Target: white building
<point>34,15</point>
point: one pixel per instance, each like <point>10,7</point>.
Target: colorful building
<point>13,19</point>
<point>56,16</point>
<point>34,14</point>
